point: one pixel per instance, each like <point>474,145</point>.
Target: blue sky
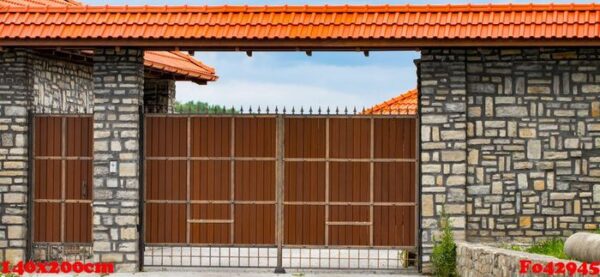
<point>294,79</point>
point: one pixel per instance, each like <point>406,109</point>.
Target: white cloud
<point>246,93</point>
<point>286,80</point>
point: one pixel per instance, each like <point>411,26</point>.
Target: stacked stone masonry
<point>118,91</point>
<point>15,99</point>
<point>476,260</point>
<point>531,144</point>
<point>62,85</point>
<point>533,140</point>
<point>443,95</point>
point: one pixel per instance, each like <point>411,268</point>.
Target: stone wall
<point>62,86</point>
<point>443,143</point>
<point>159,95</point>
<point>15,99</point>
<point>475,260</point>
<point>118,90</point>
<point>518,129</point>
<point>533,135</point>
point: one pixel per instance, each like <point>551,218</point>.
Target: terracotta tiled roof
<point>51,3</point>
<point>178,64</point>
<point>406,103</point>
<point>461,22</point>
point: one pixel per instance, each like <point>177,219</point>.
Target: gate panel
<point>212,181</point>
<point>62,183</point>
<point>216,174</point>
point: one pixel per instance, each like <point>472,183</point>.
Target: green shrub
<point>514,247</point>
<point>443,257</point>
<point>552,247</point>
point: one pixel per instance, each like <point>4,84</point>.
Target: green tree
<point>443,257</point>
<point>200,107</point>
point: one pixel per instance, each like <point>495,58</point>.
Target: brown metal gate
<point>61,184</point>
<point>287,181</point>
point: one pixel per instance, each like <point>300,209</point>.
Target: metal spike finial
<point>319,111</point>
<point>310,110</point>
<point>283,109</point>
<point>250,109</point>
<point>258,111</point>
<point>346,110</point>
<point>354,110</point>
<point>363,110</point>
<point>301,110</point>
<point>293,110</point>
<point>337,110</point>
<point>232,111</point>
<point>276,110</point>
<point>241,109</point>
<point>328,110</point>
<point>267,109</point>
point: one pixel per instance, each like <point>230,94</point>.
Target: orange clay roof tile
<point>501,21</point>
<point>406,103</point>
<point>178,64</point>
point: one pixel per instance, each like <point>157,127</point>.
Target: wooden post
<point>279,182</point>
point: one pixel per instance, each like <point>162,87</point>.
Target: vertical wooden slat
<point>416,236</point>
<point>63,178</point>
<point>280,196</point>
<point>188,138</point>
<point>232,179</point>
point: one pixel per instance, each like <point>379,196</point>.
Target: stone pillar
<point>443,104</point>
<point>159,95</point>
<point>15,98</point>
<point>118,90</point>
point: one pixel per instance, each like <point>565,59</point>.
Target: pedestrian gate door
<point>62,186</point>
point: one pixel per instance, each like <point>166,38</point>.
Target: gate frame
<point>31,179</point>
<point>416,249</point>
<point>141,187</point>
